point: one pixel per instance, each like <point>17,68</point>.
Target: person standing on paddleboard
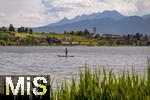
<point>66,52</point>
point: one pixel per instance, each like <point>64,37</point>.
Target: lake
<point>43,60</point>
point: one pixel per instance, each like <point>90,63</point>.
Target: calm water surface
<point>44,60</point>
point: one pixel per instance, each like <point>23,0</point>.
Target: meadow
<point>83,40</point>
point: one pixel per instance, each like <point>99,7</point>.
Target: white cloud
<point>143,6</point>
<point>42,12</point>
<point>22,12</point>
<point>90,6</point>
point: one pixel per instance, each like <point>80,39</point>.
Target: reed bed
<point>103,85</point>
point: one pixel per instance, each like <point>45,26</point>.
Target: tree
<point>145,37</point>
<point>128,37</point>
<point>26,30</point>
<point>80,33</point>
<point>11,28</point>
<point>30,31</point>
<point>97,36</point>
<point>72,32</point>
<point>21,29</point>
<point>65,32</point>
<point>4,29</point>
<point>137,36</point>
<point>86,32</point>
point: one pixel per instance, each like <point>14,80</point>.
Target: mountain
<point>61,22</point>
<point>146,16</point>
<point>106,14</point>
<point>132,24</point>
<point>106,22</point>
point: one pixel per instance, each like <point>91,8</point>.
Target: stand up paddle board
<point>66,51</point>
<point>64,56</point>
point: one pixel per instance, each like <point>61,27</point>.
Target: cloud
<point>58,9</point>
<point>143,6</point>
<point>21,12</point>
<point>42,12</point>
<point>79,7</point>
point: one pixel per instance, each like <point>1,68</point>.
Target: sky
<point>33,13</point>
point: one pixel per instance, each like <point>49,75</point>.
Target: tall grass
<point>101,85</point>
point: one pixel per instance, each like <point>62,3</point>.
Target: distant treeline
<point>21,29</point>
<point>78,33</point>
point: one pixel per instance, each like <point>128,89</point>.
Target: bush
<point>2,42</point>
<point>101,43</point>
<point>12,33</point>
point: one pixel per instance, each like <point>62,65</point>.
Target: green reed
<point>104,85</point>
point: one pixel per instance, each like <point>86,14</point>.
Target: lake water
<point>44,60</point>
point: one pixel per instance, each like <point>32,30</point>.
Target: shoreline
<point>71,46</point>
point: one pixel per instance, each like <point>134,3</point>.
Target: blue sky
<point>42,12</point>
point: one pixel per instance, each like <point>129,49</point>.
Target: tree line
<point>21,29</point>
<point>78,33</point>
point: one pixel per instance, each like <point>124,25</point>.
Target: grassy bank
<point>102,86</point>
<point>83,40</point>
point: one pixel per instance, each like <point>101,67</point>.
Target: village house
<point>68,40</point>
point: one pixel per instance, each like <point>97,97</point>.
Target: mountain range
<point>107,22</point>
